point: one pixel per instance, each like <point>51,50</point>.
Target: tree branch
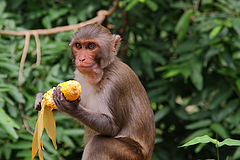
<point>101,15</point>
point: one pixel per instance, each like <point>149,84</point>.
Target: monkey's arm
<point>99,122</point>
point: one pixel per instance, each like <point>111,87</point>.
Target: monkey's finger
<point>55,97</point>
<point>38,100</point>
<point>60,94</point>
<point>76,102</point>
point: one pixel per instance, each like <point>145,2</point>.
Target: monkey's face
<point>85,53</point>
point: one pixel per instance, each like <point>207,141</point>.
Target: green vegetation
<point>186,53</point>
<point>206,139</point>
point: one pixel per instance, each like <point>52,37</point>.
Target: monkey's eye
<point>78,45</point>
<point>91,46</point>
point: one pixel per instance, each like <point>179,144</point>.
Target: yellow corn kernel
<point>48,98</point>
<point>71,90</point>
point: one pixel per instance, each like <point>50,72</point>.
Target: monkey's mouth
<point>86,66</point>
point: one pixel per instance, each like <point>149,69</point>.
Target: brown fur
<point>115,109</point>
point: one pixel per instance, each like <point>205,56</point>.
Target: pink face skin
<point>85,53</point>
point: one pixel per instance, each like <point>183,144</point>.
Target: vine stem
<point>218,153</point>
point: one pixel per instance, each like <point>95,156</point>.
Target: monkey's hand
<point>62,104</point>
<point>38,100</point>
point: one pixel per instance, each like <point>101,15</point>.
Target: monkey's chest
<point>95,102</point>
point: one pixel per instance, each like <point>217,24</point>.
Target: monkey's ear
<point>116,43</point>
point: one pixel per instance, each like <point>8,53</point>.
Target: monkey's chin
<point>86,69</point>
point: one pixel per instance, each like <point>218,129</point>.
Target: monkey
<point>114,106</point>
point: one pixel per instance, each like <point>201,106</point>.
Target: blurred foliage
<point>186,53</point>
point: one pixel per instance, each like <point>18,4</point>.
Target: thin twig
<point>196,7</point>
<point>114,7</point>
<point>24,55</point>
<point>38,50</point>
<point>23,119</point>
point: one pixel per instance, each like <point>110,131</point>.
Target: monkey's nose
<point>83,59</point>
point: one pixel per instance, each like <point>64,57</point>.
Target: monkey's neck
<point>95,76</point>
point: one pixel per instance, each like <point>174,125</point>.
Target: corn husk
<point>71,90</point>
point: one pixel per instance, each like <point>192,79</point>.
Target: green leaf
<point>16,4</point>
<point>47,22</point>
<point>48,145</point>
<point>68,142</point>
<point>202,139</point>
<point>14,92</point>
<point>57,13</point>
<point>22,145</point>
<point>72,20</point>
<point>132,4</point>
<point>199,124</point>
<point>183,24</point>
<point>220,130</point>
<point>24,154</point>
<point>206,139</point>
<point>171,73</point>
<point>2,6</point>
<point>8,66</point>
<point>199,147</point>
<point>161,113</point>
<point>5,120</point>
<point>227,57</point>
<point>157,91</point>
<point>8,124</point>
<point>238,84</point>
<point>184,21</point>
<point>215,31</point>
<point>236,25</point>
<point>220,97</point>
<point>197,133</point>
<point>227,110</point>
<point>152,5</point>
<point>7,150</point>
<point>196,75</point>
<point>10,130</point>
<point>74,132</point>
<point>236,155</point>
<point>4,88</point>
<point>180,5</point>
<point>230,142</point>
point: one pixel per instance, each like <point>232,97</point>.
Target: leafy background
<point>186,54</point>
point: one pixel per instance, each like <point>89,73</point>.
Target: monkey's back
<point>130,104</point>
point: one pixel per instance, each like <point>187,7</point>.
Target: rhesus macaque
<point>114,106</point>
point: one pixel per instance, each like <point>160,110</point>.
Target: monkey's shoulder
<point>119,72</point>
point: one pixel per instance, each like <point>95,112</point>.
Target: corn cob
<point>48,98</point>
<point>70,89</point>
